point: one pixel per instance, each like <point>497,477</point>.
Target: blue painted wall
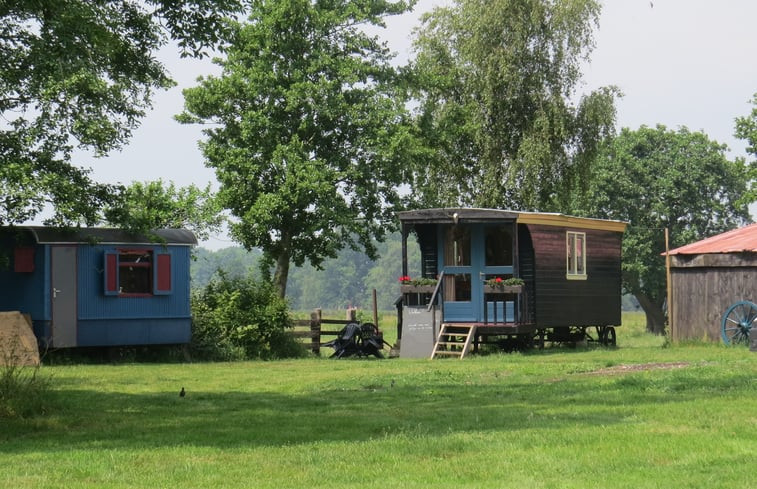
<point>103,320</point>
<point>113,320</point>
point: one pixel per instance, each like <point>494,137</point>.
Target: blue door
<point>469,255</point>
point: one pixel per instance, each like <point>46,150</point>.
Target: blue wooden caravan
<point>98,287</point>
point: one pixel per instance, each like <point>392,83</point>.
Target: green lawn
<point>638,416</point>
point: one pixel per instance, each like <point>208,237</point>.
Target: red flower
<point>498,279</point>
<point>404,278</point>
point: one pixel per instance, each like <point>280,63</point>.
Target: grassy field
<point>641,415</point>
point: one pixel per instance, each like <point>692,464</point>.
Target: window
<point>576,256</point>
<point>137,273</point>
<point>498,247</point>
<point>457,247</point>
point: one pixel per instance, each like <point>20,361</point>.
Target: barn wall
<point>560,302</point>
<point>701,296</point>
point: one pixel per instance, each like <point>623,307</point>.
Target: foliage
<point>307,129</point>
<point>235,318</point>
<point>82,73</point>
<point>420,281</point>
<point>151,205</point>
<point>508,282</point>
<point>233,262</point>
<point>24,392</point>
<point>746,129</point>
<point>655,178</point>
<point>496,82</point>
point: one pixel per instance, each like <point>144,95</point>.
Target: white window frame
<point>575,255</point>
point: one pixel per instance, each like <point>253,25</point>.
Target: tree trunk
<point>654,313</point>
<point>281,274</point>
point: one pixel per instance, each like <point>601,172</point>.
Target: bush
<point>241,318</point>
<point>23,392</point>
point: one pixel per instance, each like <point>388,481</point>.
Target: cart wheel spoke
<point>737,322</point>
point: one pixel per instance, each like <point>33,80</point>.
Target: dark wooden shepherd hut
<point>509,278</point>
<point>707,278</point>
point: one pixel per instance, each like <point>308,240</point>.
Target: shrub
<point>238,318</point>
<point>23,392</point>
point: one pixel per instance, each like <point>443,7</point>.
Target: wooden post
<point>375,311</point>
<point>315,331</point>
<point>669,287</point>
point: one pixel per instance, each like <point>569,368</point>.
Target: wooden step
<point>465,332</point>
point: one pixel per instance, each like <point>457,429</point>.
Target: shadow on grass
<point>351,412</point>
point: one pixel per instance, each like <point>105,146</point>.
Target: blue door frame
<point>476,272</point>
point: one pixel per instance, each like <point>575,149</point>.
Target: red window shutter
<point>111,273</point>
<point>163,273</point>
<point>23,259</point>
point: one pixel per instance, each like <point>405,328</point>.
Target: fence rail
<point>312,329</point>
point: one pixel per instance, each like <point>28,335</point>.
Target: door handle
<point>55,292</point>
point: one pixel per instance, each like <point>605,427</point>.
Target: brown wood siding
<point>560,302</point>
<point>701,297</point>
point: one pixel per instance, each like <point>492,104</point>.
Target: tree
<point>307,129</point>
<point>746,129</point>
<point>81,74</point>
<point>654,179</point>
<point>495,81</point>
<point>143,207</point>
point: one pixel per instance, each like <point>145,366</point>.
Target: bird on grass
<point>182,393</point>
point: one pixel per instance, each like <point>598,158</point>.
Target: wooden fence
<point>310,331</point>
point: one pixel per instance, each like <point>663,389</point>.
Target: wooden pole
<point>315,331</point>
<point>375,311</point>
<point>669,286</point>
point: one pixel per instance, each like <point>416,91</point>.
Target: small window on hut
<point>135,273</point>
<point>576,255</point>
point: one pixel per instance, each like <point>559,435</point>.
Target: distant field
<point>642,415</point>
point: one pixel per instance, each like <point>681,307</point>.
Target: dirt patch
<point>620,369</point>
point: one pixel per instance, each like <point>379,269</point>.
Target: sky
<point>679,63</point>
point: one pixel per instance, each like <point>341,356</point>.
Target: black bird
<point>182,393</point>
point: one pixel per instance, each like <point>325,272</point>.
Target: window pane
<point>499,246</point>
<point>571,253</point>
<point>457,247</point>
<point>580,258</point>
<point>135,272</point>
<point>457,288</point>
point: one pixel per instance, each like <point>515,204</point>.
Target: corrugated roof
<point>735,241</point>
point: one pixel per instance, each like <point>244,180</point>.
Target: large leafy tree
<point>306,129</point>
<point>496,84</point>
<point>143,207</point>
<point>656,178</point>
<point>746,129</point>
<point>81,73</point>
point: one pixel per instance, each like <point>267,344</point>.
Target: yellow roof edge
<point>571,221</point>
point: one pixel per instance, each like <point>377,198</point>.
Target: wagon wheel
<point>608,337</point>
<point>738,321</point>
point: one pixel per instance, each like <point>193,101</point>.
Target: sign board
<point>419,331</point>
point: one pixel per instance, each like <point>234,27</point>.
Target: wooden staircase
<point>454,340</point>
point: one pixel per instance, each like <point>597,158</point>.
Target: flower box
<point>503,289</point>
<point>417,289</point>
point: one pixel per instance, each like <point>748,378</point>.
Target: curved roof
<point>51,235</point>
<point>473,215</point>
<point>735,241</point>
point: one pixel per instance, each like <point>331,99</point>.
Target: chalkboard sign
<point>419,331</point>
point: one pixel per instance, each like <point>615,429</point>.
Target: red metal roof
<point>735,241</point>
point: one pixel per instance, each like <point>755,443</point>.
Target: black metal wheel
<point>607,336</point>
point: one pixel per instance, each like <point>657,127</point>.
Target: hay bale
<point>18,345</point>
